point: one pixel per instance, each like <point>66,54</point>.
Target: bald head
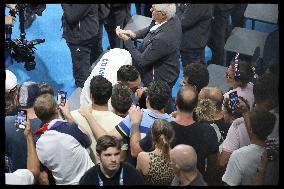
<point>184,156</point>
<point>187,98</point>
<point>213,93</point>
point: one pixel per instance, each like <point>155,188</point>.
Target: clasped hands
<point>124,34</point>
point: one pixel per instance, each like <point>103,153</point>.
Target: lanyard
<point>101,183</point>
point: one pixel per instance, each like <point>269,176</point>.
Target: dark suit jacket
<point>196,24</point>
<point>158,55</point>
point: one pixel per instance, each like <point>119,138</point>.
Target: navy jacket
<point>158,55</point>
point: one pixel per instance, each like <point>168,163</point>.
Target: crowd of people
<point>128,129</point>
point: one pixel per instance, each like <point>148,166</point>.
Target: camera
<point>21,49</point>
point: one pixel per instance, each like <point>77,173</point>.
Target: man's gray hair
<point>169,9</point>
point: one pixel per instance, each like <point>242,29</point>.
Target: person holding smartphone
<point>239,76</point>
<point>30,174</point>
<point>61,145</point>
<point>16,147</point>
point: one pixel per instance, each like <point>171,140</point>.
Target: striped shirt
<point>124,127</point>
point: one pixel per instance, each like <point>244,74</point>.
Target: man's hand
<point>119,33</point>
<point>66,108</point>
<point>243,106</point>
<point>27,130</point>
<point>135,114</point>
<point>86,110</point>
<point>139,92</point>
<point>9,20</point>
<point>66,111</point>
<point>129,33</point>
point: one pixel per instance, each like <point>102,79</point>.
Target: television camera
<point>21,49</point>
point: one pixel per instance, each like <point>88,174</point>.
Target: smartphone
<point>61,97</point>
<point>21,117</point>
<point>233,101</point>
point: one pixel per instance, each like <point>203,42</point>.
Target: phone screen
<point>61,97</point>
<point>21,117</point>
<point>234,100</point>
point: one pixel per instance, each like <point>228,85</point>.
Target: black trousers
<point>237,15</point>
<point>96,47</point>
<point>192,55</point>
<point>219,33</point>
<point>81,63</point>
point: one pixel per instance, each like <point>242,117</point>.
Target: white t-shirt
<point>108,66</point>
<point>20,177</point>
<point>107,119</point>
<point>63,155</point>
<point>242,165</point>
<point>246,93</point>
<point>237,136</point>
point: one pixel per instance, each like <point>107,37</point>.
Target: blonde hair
<point>162,134</point>
<point>205,110</point>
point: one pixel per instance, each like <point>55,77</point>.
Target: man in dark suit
<point>219,32</point>
<point>158,56</point>
<point>196,23</point>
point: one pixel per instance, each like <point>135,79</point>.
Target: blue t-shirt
<point>124,127</point>
<point>16,144</point>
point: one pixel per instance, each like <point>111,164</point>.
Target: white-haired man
<point>157,57</point>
